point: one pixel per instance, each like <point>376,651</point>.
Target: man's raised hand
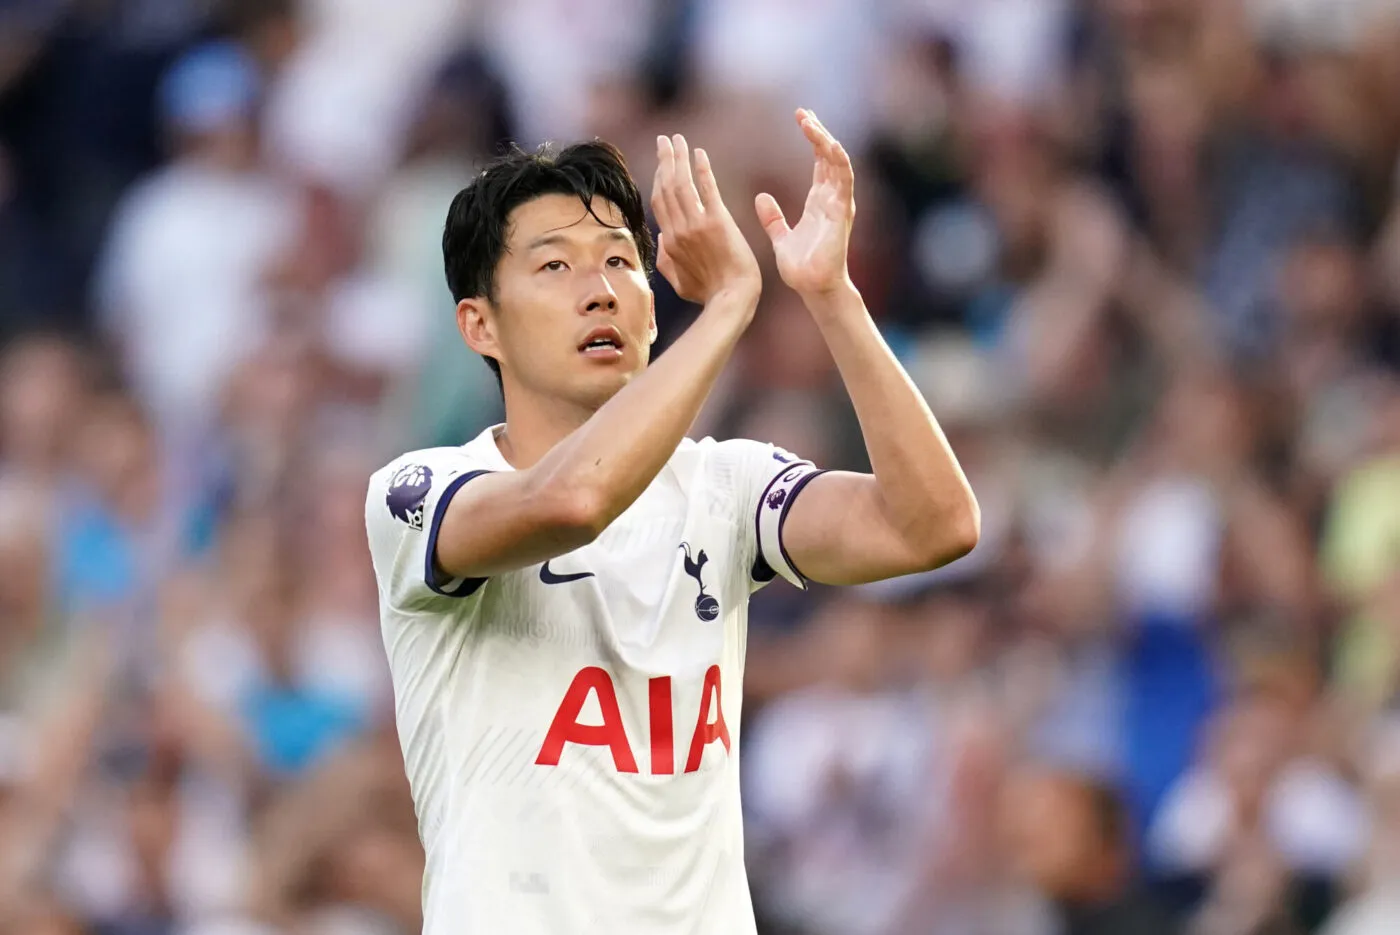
<point>812,255</point>
<point>701,251</point>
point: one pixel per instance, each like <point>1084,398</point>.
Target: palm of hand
<point>687,282</point>
<point>812,255</point>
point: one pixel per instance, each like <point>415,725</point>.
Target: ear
<point>651,324</point>
<point>477,322</point>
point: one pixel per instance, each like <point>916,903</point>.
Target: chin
<point>594,389</point>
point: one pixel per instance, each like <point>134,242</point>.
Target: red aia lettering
<point>663,749</point>
<point>567,729</point>
<point>706,732</point>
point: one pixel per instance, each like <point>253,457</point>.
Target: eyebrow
<point>550,240</point>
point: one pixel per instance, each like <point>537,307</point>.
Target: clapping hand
<point>811,256</point>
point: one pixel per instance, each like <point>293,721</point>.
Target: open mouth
<point>602,343</point>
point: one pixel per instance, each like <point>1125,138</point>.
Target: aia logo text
<point>566,729</point>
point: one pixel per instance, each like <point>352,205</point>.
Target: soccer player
<point>564,598</point>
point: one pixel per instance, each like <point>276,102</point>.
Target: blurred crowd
<point>1141,256</point>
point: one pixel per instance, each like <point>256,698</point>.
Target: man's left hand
<point>812,255</point>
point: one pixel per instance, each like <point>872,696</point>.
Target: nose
<point>600,296</point>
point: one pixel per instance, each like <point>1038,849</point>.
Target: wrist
<point>737,293</point>
<point>832,299</point>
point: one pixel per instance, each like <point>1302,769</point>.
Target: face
<point>24,561</point>
<point>1252,743</point>
<point>1050,833</point>
<point>116,451</point>
<point>573,318</point>
<point>40,390</point>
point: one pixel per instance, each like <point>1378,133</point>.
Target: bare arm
<point>511,519</point>
<point>916,511</point>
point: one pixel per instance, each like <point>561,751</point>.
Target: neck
<point>535,425</point>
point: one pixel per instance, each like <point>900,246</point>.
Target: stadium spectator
<point>181,285</point>
<point>1071,837</point>
<point>1141,256</point>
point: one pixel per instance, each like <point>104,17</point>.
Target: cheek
<point>526,320</point>
<point>634,298</point>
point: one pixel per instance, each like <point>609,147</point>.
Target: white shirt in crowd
<point>182,280</point>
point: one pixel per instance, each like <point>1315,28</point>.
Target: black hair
<point>240,19</point>
<point>478,223</point>
<point>1109,814</point>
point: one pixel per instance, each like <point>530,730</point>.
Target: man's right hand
<point>701,250</point>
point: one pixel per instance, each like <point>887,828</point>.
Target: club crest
<point>706,607</point>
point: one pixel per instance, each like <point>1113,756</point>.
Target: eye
<point>619,262</point>
<point>555,266</point>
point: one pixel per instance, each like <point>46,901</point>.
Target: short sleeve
<point>769,481</point>
<point>404,509</point>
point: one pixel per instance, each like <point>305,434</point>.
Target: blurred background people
<point>1141,256</point>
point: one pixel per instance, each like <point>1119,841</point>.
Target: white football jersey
<point>571,729</point>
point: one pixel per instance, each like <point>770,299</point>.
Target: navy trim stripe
<point>760,565</point>
<point>468,586</point>
<point>782,518</point>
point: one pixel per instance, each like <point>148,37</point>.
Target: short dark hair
<point>478,223</point>
<point>1109,813</point>
<point>240,19</point>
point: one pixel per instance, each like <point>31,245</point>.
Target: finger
<point>668,185</point>
<point>813,131</point>
<point>821,151</point>
<point>664,264</point>
<point>705,183</point>
<point>826,134</point>
<point>771,217</point>
<point>836,153</point>
<point>827,149</point>
<point>659,207</point>
<point>842,172</point>
<point>837,161</point>
<point>687,198</point>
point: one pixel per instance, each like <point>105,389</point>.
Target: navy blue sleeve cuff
<point>788,485</point>
<point>464,587</point>
<point>782,519</point>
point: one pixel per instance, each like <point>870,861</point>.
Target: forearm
<point>922,488</point>
<point>611,458</point>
